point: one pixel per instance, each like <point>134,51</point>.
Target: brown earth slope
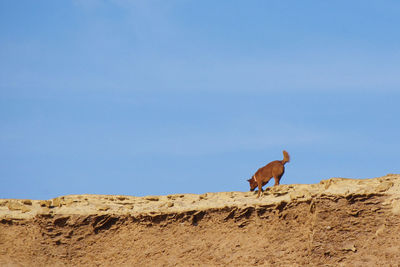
<point>338,222</point>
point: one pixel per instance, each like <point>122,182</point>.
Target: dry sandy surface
<point>338,222</point>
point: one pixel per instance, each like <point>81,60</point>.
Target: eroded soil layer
<point>344,229</point>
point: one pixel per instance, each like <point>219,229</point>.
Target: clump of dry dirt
<point>338,222</point>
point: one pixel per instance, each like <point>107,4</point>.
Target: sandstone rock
<point>17,206</point>
<point>69,201</point>
<point>396,206</point>
<point>384,186</point>
<point>380,230</point>
<point>349,247</point>
<point>103,207</point>
<point>45,203</point>
<point>27,202</point>
<point>57,202</point>
<point>152,198</point>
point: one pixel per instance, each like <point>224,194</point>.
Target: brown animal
<point>263,175</point>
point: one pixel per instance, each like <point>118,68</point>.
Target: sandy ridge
<point>24,209</point>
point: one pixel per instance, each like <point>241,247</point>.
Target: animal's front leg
<point>259,189</point>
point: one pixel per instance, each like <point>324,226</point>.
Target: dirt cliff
<point>338,222</point>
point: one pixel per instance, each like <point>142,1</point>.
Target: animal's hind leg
<point>277,179</point>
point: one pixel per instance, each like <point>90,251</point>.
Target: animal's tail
<point>286,157</point>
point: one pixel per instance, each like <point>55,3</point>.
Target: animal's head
<point>253,184</point>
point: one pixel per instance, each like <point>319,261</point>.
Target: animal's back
<point>269,169</point>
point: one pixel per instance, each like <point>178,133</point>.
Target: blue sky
<point>162,97</point>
